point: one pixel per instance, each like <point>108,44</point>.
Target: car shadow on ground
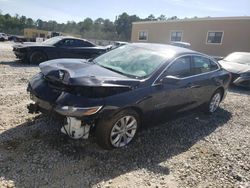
<point>17,63</point>
<point>35,154</point>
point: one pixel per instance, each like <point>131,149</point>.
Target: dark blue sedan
<point>116,93</point>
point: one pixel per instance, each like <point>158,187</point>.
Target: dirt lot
<point>193,150</point>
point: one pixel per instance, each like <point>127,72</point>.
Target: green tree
<point>162,17</point>
<point>30,22</point>
<point>86,25</point>
<point>108,26</point>
<point>173,18</point>
<point>123,25</point>
<point>39,23</point>
<point>151,17</point>
<point>99,21</point>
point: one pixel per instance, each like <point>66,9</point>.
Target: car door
<point>173,94</point>
<point>85,49</point>
<point>65,48</point>
<point>203,79</point>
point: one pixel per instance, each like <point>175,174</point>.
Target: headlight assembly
<point>78,111</point>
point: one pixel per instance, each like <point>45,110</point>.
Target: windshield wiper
<point>91,60</point>
<point>119,72</point>
<point>112,69</point>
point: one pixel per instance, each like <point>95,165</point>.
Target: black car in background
<point>116,93</point>
<point>57,47</point>
<point>238,63</point>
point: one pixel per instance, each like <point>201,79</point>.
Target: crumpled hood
<point>232,67</point>
<point>78,72</point>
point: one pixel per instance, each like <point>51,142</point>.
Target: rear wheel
<point>214,102</point>
<point>37,57</point>
<point>118,131</point>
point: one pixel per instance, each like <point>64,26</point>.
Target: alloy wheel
<point>215,102</point>
<point>123,131</point>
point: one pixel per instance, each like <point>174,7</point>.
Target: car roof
<point>165,48</point>
<point>186,43</point>
<point>122,42</point>
<point>70,37</point>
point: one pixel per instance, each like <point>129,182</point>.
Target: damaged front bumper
<point>243,81</point>
<point>46,99</point>
<point>75,127</point>
<point>69,111</point>
<point>20,55</point>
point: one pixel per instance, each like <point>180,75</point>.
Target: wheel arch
<point>33,51</point>
<point>222,90</point>
<point>134,108</point>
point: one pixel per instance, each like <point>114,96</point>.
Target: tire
<point>37,57</point>
<point>214,102</point>
<point>112,133</point>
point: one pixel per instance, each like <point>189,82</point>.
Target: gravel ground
<point>192,150</point>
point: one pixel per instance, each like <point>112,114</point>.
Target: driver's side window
<point>180,68</point>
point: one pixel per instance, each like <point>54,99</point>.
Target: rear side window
<point>81,43</point>
<point>75,43</point>
<point>180,68</point>
<point>203,65</point>
<point>67,43</point>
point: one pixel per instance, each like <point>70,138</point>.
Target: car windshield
<point>239,57</point>
<point>131,61</point>
<point>52,40</point>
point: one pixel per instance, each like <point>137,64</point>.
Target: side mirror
<point>170,80</point>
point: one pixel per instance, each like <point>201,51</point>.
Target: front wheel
<point>118,131</point>
<point>214,102</point>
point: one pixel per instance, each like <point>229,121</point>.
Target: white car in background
<point>3,37</point>
<point>181,44</point>
<point>238,63</point>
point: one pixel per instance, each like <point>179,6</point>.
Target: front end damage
<point>75,128</point>
<point>78,121</point>
<point>79,105</point>
<point>243,81</point>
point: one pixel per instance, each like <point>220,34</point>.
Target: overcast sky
<point>77,10</point>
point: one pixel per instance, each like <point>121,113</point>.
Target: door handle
<point>190,85</point>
